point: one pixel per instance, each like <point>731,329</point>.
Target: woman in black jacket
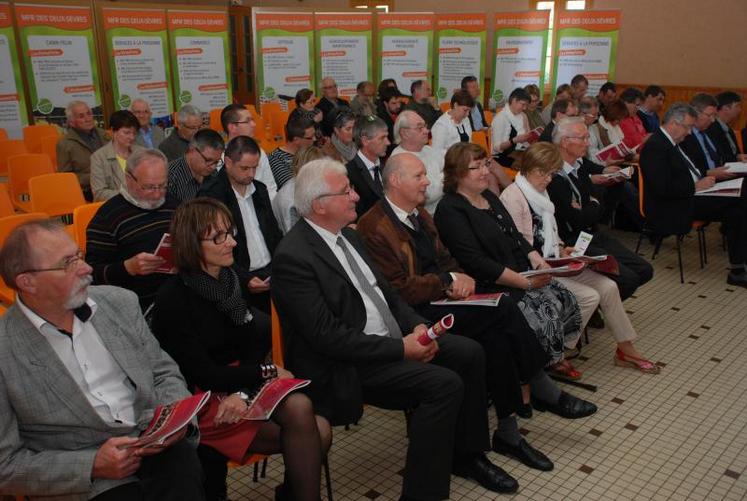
<point>202,319</point>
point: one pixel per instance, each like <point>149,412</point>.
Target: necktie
<point>690,165</point>
<point>377,179</point>
<point>710,149</point>
<point>732,141</point>
<point>368,290</point>
<point>413,218</point>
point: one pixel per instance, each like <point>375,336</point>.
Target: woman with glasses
<point>453,126</point>
<point>534,215</point>
<point>202,319</point>
<point>108,162</point>
<point>480,234</point>
<point>306,107</point>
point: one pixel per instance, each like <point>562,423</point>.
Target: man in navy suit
<point>371,135</point>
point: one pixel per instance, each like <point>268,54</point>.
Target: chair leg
<point>586,335</point>
<point>658,239</point>
<point>679,257</point>
<point>255,477</point>
<point>640,239</point>
<point>327,478</point>
<point>264,468</point>
<point>701,247</point>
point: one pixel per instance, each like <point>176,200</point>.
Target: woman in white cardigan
<point>453,126</point>
<point>534,215</point>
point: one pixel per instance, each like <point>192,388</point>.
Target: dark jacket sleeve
<point>657,161</point>
<point>573,220</point>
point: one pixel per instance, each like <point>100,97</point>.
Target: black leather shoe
<point>738,279</point>
<point>596,321</point>
<point>524,411</point>
<point>524,453</point>
<point>568,406</point>
<point>487,474</point>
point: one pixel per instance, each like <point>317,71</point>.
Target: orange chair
<point>3,134</point>
<point>49,147</point>
<point>7,224</point>
<point>32,135</point>
<point>445,106</point>
<point>278,119</point>
<point>260,130</point>
<point>3,309</point>
<point>267,108</point>
<point>215,119</point>
<point>82,215</point>
<point>480,138</point>
<point>740,141</point>
<point>55,194</point>
<point>6,206</point>
<point>21,168</point>
<point>9,148</point>
<point>252,110</point>
<point>489,117</point>
<point>291,105</point>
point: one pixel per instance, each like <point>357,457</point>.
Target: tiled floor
<point>679,435</point>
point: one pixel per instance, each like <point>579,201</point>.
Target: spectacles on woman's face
<point>479,164</point>
<point>220,237</point>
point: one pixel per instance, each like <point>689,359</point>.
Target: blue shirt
<point>702,137</point>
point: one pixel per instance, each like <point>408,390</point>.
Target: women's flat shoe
<point>643,365</point>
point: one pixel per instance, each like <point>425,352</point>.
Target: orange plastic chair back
<point>32,135</point>
<point>445,106</point>
<point>3,133</point>
<point>640,193</point>
<point>215,119</point>
<point>49,147</point>
<point>489,118</point>
<point>82,215</point>
<point>260,131</point>
<point>21,168</point>
<point>55,194</point>
<point>267,108</point>
<point>8,224</point>
<point>9,148</point>
<point>480,138</point>
<point>277,338</point>
<point>252,110</point>
<point>278,119</point>
<point>3,309</point>
<point>740,140</point>
<point>6,206</point>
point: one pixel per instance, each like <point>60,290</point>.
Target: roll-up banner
<point>137,45</point>
<point>13,117</point>
<point>519,51</point>
<point>343,49</point>
<point>201,54</point>
<point>405,45</point>
<point>59,55</point>
<point>586,43</point>
<point>460,41</point>
<point>284,54</point>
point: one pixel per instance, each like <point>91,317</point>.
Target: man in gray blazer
<point>80,376</point>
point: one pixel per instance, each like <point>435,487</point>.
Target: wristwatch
<point>243,396</point>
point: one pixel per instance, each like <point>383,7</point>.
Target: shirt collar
<point>663,130</point>
<point>368,163</point>
<point>329,238</point>
<point>571,169</point>
<point>401,215</point>
<point>722,124</point>
<point>249,192</point>
<point>83,313</point>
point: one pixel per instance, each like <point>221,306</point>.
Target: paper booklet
<point>473,300</point>
<point>535,134</point>
<point>617,151</point>
<point>730,188</point>
<point>437,330</point>
<point>625,173</point>
<point>170,419</point>
<point>736,167</point>
<point>605,264</point>
<point>569,270</point>
<point>165,251</point>
<point>262,404</point>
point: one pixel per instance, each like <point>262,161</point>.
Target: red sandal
<point>564,369</point>
<point>643,365</point>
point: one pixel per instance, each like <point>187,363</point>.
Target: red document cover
<point>605,264</point>
<point>571,269</point>
<point>165,251</point>
<point>269,395</point>
<point>491,299</point>
<point>535,134</point>
<point>617,151</point>
<point>171,418</point>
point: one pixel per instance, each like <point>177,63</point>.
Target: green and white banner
<point>519,51</point>
<point>201,53</point>
<point>284,53</point>
<point>137,44</point>
<point>405,45</point>
<point>13,116</point>
<point>59,55</point>
<point>586,44</point>
<point>460,39</point>
<point>343,49</point>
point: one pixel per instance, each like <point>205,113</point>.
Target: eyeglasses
<point>243,121</point>
<point>209,163</point>
<point>329,86</point>
<point>346,193</point>
<point>221,237</point>
<point>418,128</point>
<point>686,126</point>
<point>484,164</point>
<point>585,138</point>
<point>68,264</point>
<point>150,187</point>
<point>309,138</point>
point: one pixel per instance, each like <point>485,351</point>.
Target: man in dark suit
<point>364,170</point>
<point>577,210</point>
<point>698,146</point>
<point>330,103</point>
<point>258,233</point>
<point>357,340</point>
<point>720,131</point>
<point>561,108</point>
<point>671,182</point>
<point>387,109</point>
<point>476,115</point>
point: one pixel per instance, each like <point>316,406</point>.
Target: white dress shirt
<point>98,375</point>
<point>263,174</point>
<point>434,169</point>
<point>370,166</point>
<point>259,254</point>
<point>374,321</point>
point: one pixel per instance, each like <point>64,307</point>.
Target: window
<point>550,5</point>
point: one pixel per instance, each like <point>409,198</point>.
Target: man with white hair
<point>363,343</point>
<point>330,104</point>
<point>576,210</point>
<point>148,136</point>
<point>189,121</point>
<point>411,133</point>
<point>123,235</point>
<point>75,148</point>
<point>80,377</point>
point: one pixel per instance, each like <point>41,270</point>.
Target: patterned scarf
<point>347,151</point>
<point>225,292</point>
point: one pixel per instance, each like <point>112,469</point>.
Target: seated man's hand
<point>705,183</point>
<point>463,286</point>
<point>144,263</point>
<point>742,157</point>
<point>721,173</point>
<point>567,251</point>
<point>156,448</point>
<point>576,205</point>
<point>416,351</point>
<point>613,166</point>
<point>602,180</point>
<point>257,285</point>
<point>113,462</point>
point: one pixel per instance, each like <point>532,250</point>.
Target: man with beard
<point>80,376</point>
<point>125,232</point>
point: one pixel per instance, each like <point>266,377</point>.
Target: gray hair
<point>140,100</point>
<point>17,253</point>
<point>311,182</point>
<point>403,121</point>
<point>677,113</point>
<point>70,106</point>
<point>367,127</point>
<point>187,111</point>
<point>702,101</point>
<point>140,156</point>
<point>207,138</point>
<point>587,103</point>
<point>563,128</point>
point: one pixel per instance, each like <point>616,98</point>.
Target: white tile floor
<point>679,435</point>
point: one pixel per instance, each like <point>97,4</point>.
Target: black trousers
<point>448,400</point>
<point>634,270</point>
<point>732,212</point>
<point>512,353</point>
<point>171,475</point>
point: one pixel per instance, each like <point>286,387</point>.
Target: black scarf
<point>225,292</point>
